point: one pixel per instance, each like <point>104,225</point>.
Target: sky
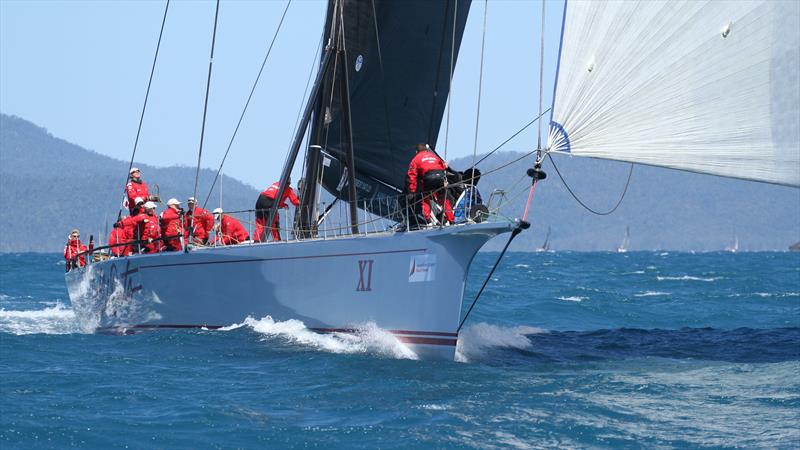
<point>80,69</point>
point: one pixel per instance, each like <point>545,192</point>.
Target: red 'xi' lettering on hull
<point>364,275</point>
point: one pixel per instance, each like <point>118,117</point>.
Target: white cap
<point>150,205</point>
<point>138,200</point>
<point>173,201</point>
<point>217,211</point>
<point>191,200</point>
<point>134,169</point>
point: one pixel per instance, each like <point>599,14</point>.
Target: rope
<point>627,183</point>
<point>480,83</point>
<point>205,103</point>
<point>146,96</point>
<point>247,103</point>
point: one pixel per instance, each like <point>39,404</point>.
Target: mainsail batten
<point>708,87</point>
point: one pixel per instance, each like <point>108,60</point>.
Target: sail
<point>398,91</point>
<point>702,86</point>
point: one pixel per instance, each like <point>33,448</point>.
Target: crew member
<point>72,249</point>
<point>150,231</point>
<point>172,226</point>
<point>137,188</point>
<point>118,237</point>
<point>263,205</point>
<point>229,230</point>
<point>132,225</point>
<point>469,197</point>
<point>427,176</point>
<point>138,206</point>
<point>200,219</point>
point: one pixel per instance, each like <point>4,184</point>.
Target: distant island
<point>48,186</point>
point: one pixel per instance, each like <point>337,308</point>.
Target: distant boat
<point>546,245</point>
<point>623,248</point>
<point>795,247</point>
<point>735,247</point>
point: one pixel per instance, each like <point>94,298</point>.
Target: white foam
<point>651,294</point>
<point>522,266</point>
<point>58,319</point>
<point>366,338</point>
<point>573,298</point>
<point>687,278</point>
<point>475,341</point>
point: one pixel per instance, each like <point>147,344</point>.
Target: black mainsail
<point>394,58</point>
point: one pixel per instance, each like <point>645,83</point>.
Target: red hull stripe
<point>419,333</point>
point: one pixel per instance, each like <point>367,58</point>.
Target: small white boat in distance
<point>623,247</point>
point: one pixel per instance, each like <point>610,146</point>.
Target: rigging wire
<point>205,104</point>
<point>541,84</point>
<point>146,96</point>
<point>480,83</point>
<point>512,137</point>
<point>624,191</point>
<point>450,82</point>
<point>247,103</point>
<point>514,233</point>
<point>383,81</point>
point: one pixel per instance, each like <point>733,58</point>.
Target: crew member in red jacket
<point>229,230</point>
<point>263,205</point>
<point>137,188</point>
<point>172,226</point>
<point>72,249</point>
<point>119,235</point>
<point>201,219</point>
<point>133,229</point>
<point>427,176</point>
<point>150,231</point>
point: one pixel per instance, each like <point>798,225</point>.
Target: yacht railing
<point>378,215</point>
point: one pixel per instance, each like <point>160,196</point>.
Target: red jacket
<point>171,226</point>
<point>71,250</point>
<point>231,231</point>
<point>119,236</point>
<point>422,163</point>
<point>272,192</point>
<point>203,222</point>
<point>136,189</point>
<point>151,230</point>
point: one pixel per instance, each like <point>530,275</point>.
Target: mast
<point>300,133</point>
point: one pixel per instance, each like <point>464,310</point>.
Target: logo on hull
<point>422,268</point>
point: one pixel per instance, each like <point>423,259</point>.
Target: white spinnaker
<point>703,86</point>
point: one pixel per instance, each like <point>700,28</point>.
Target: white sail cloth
<point>703,86</point>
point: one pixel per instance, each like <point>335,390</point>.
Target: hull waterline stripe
<point>405,339</point>
<point>150,266</point>
<point>421,333</point>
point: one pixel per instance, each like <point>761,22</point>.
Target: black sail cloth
<point>397,95</point>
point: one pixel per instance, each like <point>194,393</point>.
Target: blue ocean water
<point>588,350</point>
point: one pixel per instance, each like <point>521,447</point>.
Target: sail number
<point>364,275</point>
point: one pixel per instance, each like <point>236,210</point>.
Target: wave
<point>687,278</point>
<point>573,298</point>
<point>58,319</point>
<point>651,294</point>
<point>475,342</point>
<point>366,338</point>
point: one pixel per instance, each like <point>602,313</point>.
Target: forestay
<point>703,86</point>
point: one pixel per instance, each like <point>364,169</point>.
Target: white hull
<point>410,283</point>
